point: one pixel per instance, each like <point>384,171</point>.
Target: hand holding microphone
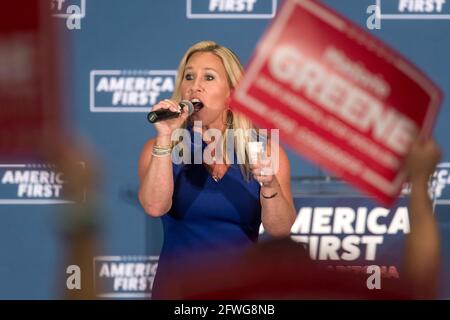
<point>167,115</point>
<point>157,115</point>
<point>171,112</point>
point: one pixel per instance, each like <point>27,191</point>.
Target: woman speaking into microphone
<point>211,211</point>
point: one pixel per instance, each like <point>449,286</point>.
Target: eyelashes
<point>189,76</point>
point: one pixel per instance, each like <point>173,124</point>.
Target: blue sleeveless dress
<point>208,220</point>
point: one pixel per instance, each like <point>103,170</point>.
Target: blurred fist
<point>422,159</point>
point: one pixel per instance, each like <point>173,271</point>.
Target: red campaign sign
<point>29,105</point>
<point>339,96</point>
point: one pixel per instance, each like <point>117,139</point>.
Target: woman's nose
<point>197,85</point>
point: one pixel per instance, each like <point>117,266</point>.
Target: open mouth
<point>197,104</point>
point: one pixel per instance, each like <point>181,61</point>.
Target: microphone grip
<point>162,114</point>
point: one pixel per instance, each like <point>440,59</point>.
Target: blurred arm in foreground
<point>78,222</point>
<point>422,252</point>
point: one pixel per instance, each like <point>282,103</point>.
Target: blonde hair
<point>235,121</point>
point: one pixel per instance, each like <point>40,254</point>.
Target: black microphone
<point>164,114</point>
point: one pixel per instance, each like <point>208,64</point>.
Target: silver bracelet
<point>161,152</point>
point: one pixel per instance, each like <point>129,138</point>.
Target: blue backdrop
<point>146,39</point>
